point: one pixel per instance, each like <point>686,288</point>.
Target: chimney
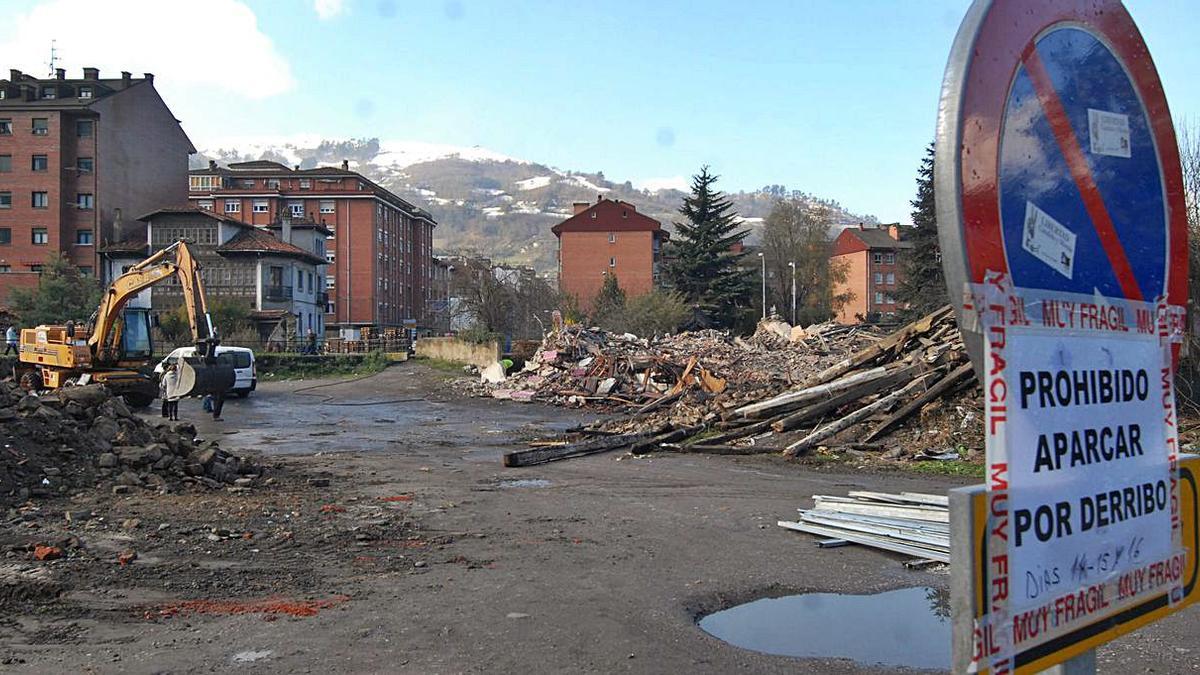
<point>14,75</point>
<point>126,77</point>
<point>212,165</point>
<point>599,198</point>
<point>296,167</point>
<point>345,165</point>
<point>286,234</point>
<point>580,207</point>
<point>60,73</point>
<point>91,73</point>
<point>149,77</point>
<point>894,231</point>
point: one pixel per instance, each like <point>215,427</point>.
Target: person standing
<point>12,339</point>
<point>169,388</point>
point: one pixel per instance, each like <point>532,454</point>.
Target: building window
<point>877,258</point>
<point>246,183</point>
<point>6,127</point>
<point>5,163</point>
<point>5,269</point>
<point>40,236</point>
<point>272,183</point>
<point>85,164</point>
<point>305,184</point>
<point>296,209</point>
<point>206,204</point>
<point>49,92</point>
<point>200,183</point>
<point>5,200</point>
<point>612,262</point>
<point>326,206</point>
<point>40,163</point>
<point>85,92</point>
<point>329,257</point>
<point>35,268</point>
<point>233,206</point>
<point>85,270</point>
<point>41,126</point>
<point>83,128</point>
<point>612,237</point>
<point>329,283</point>
<point>891,278</point>
<point>85,201</point>
<point>5,236</point>
<point>878,298</point>
<point>879,277</point>
<point>41,200</point>
<point>593,215</point>
<point>83,237</point>
<point>889,258</point>
<point>261,206</point>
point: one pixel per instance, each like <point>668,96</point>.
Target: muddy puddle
<point>909,627</point>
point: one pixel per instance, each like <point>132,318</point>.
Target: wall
<point>22,182</point>
<point>585,257</point>
<point>460,351</point>
<point>141,158</point>
<point>857,272</point>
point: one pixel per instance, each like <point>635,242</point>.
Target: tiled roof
<point>879,238</point>
<point>173,210</point>
<point>256,241</point>
<point>609,215</point>
<point>127,246</point>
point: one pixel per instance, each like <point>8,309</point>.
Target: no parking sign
<point>1063,229</point>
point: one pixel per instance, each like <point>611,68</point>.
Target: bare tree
<point>798,232</point>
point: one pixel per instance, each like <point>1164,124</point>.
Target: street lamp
<point>764,284</point>
<point>792,265</point>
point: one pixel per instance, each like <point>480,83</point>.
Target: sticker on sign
<point>1048,240</point>
<point>1109,132</point>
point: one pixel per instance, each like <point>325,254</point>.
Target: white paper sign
<point>1090,483</point>
<point>1048,240</point>
<point>1109,133</point>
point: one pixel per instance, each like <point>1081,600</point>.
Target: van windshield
<point>237,359</point>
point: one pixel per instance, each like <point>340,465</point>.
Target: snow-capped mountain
<point>484,201</point>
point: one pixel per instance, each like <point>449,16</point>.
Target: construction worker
<point>168,389</point>
<point>12,338</point>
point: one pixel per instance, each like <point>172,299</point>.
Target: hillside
<point>486,202</point>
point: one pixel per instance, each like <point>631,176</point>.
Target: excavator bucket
<point>197,378</point>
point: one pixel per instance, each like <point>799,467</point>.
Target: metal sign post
<point>1062,224</point>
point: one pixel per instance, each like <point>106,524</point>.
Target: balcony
<point>322,299</point>
<point>278,293</point>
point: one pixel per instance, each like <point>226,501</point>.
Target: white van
<point>241,358</point>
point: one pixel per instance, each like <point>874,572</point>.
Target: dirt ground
<point>391,539</point>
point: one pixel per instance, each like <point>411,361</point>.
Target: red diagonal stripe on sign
<point>1081,173</point>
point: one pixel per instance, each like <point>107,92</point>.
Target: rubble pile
<point>781,390</point>
<point>684,378</point>
<point>83,437</point>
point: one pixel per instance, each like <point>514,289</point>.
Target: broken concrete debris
<point>96,439</point>
<point>911,523</point>
<point>781,390</point>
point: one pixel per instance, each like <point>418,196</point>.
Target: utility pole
<point>792,265</point>
<point>764,284</point>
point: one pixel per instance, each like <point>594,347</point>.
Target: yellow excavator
<point>115,347</point>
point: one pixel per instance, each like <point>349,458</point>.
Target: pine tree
<point>609,304</point>
<point>923,288</point>
<point>704,267</point>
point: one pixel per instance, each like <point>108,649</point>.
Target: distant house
<point>874,260</point>
<point>277,270</point>
<point>608,237</point>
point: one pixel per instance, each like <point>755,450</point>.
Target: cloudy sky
<point>834,97</point>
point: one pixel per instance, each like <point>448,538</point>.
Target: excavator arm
<point>175,260</point>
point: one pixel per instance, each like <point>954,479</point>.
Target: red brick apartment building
<point>380,256</point>
<point>608,237</point>
<point>874,257</point>
<point>74,155</point>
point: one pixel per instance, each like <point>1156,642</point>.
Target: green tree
<point>703,265</point>
<point>62,295</point>
<point>923,288</point>
<point>798,232</point>
<point>655,313</point>
<point>608,306</point>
